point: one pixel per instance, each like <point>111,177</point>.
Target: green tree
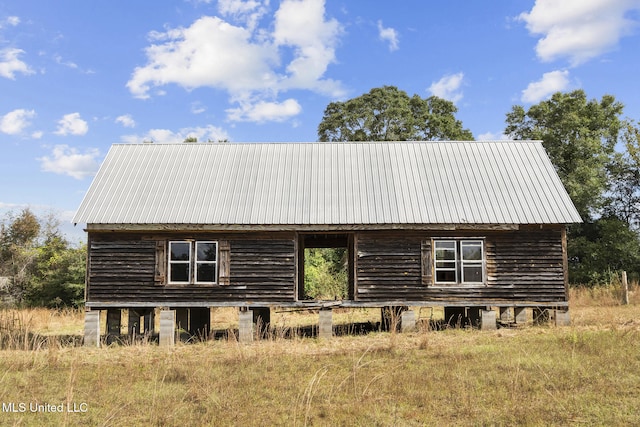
<point>42,267</point>
<point>18,241</point>
<point>325,273</point>
<point>598,250</point>
<point>389,114</point>
<point>623,195</point>
<point>579,135</point>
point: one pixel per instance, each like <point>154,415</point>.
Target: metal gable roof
<point>372,183</point>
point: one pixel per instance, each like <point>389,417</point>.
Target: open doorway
<point>325,266</point>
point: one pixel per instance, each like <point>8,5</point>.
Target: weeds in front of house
<point>588,373</point>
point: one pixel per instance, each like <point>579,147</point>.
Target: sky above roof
<point>76,77</point>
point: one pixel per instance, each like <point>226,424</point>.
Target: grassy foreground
<point>588,374</point>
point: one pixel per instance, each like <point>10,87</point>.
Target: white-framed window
<point>193,262</point>
<point>458,261</point>
<point>446,261</point>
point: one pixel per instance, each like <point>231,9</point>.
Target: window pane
<point>206,251</point>
<point>472,273</point>
<point>446,264</point>
<point>471,251</point>
<point>179,272</point>
<point>180,251</point>
<point>206,272</point>
<point>445,276</point>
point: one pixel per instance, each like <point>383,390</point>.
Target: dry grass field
<point>585,374</point>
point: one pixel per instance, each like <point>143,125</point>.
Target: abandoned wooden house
<point>470,226</point>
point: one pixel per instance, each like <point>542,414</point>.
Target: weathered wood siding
<point>124,268</point>
<point>524,265</point>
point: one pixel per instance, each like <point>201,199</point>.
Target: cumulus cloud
<point>126,120</point>
<point>16,121</point>
<point>65,160</point>
<point>249,12</point>
<point>243,59</point>
<point>550,83</point>
<point>579,29</point>
<point>72,124</point>
<point>165,136</point>
<point>448,87</point>
<point>388,35</point>
<point>10,63</point>
<point>263,111</point>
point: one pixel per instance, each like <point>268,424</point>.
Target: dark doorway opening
<point>325,263</point>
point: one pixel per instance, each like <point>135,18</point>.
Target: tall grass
<point>588,374</point>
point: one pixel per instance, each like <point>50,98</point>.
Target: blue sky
<point>76,77</point>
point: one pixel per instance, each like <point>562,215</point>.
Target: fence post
<point>625,289</point>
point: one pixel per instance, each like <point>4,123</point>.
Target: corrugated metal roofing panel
<point>506,182</point>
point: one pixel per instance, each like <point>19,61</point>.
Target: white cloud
<point>65,160</point>
<point>248,12</point>
<point>550,83</point>
<point>126,120</point>
<point>243,59</point>
<point>448,87</point>
<point>210,53</point>
<point>579,29</point>
<point>301,25</point>
<point>389,35</point>
<point>10,64</point>
<point>165,136</point>
<point>16,121</point>
<point>492,136</point>
<point>197,107</point>
<point>10,20</point>
<point>263,111</point>
<point>72,124</point>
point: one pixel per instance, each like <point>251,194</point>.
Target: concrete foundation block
<point>92,328</point>
<point>167,328</point>
<point>325,329</point>
<point>562,318</point>
<point>505,314</point>
<point>245,326</point>
<point>408,321</point>
<point>488,320</point>
<point>520,314</point>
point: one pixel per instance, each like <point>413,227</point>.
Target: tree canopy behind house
<point>389,114</point>
<point>581,136</point>
<point>38,265</point>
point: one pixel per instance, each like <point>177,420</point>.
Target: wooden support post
<point>133,325</point>
<point>182,324</point>
<point>114,322</point>
<point>488,320</point>
<point>92,328</point>
<point>245,326</point>
<point>325,329</point>
<point>474,316</point>
<point>520,314</point>
<point>505,314</point>
<point>408,321</point>
<point>149,322</point>
<point>625,289</point>
<point>167,328</point>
